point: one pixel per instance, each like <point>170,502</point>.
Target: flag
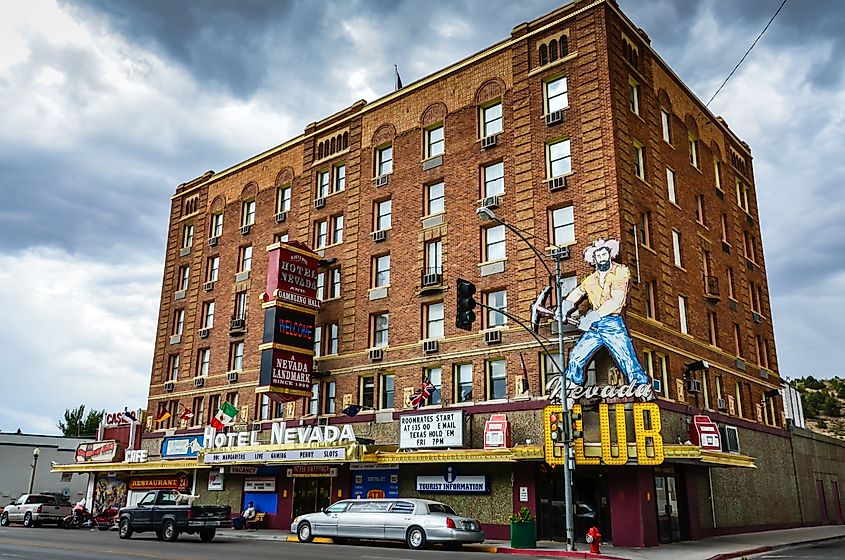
<point>187,413</point>
<point>524,387</point>
<point>352,409</point>
<point>163,415</point>
<point>224,416</point>
<point>398,82</point>
<point>129,415</point>
<point>423,393</point>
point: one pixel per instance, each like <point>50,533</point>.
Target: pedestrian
<point>248,514</point>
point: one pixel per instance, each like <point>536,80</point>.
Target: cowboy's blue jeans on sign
<point>609,331</point>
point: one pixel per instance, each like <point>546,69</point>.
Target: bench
<point>256,521</point>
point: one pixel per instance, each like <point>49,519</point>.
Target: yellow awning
<point>130,467</point>
<point>521,453</point>
<point>707,457</point>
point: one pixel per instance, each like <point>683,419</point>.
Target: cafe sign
<point>432,431</point>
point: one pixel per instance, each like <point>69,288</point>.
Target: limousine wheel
<point>304,532</point>
<point>124,530</point>
<point>416,538</point>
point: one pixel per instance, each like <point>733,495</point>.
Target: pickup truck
<point>157,511</point>
<point>35,509</point>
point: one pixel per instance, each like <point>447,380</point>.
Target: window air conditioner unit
<point>489,141</point>
<point>199,381</point>
<point>212,241</point>
<point>493,336</point>
<point>432,279</point>
<point>205,332</point>
<point>323,421</point>
<point>554,117</point>
<point>169,386</point>
<point>491,201</point>
<point>232,377</point>
<point>382,181</point>
<point>756,316</point>
<point>320,202</point>
<point>208,286</point>
<point>376,354</point>
<point>246,229</point>
<point>556,184</point>
<point>238,324</point>
<point>693,386</point>
<point>379,236</point>
<point>281,217</point>
<point>176,339</point>
<point>430,346</point>
<point>721,404</point>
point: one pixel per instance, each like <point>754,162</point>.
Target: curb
<point>762,549</point>
<point>318,540</point>
<point>553,553</point>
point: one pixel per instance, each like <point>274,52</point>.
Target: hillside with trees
<point>823,401</point>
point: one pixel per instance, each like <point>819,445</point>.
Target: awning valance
<point>130,467</point>
<point>521,453</point>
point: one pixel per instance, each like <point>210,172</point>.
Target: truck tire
<point>124,530</point>
<point>4,519</point>
<point>303,532</point>
<point>169,531</point>
<point>207,535</point>
<point>159,534</point>
<point>27,519</point>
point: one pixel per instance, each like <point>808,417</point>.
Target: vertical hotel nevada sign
<point>290,309</point>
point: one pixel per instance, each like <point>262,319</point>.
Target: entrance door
<point>837,502</point>
<point>822,501</point>
<point>311,494</point>
<point>666,498</point>
<point>590,497</point>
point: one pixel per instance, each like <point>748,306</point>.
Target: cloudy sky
<point>106,106</point>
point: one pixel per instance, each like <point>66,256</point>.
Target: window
<point>322,184</point>
<point>187,236</point>
<point>758,350</point>
<point>203,362</point>
<point>329,397</point>
<point>213,269</point>
<point>434,257</point>
<point>339,178</point>
<point>435,376</point>
<point>213,407</point>
<point>563,226</point>
<point>497,386</point>
<point>549,364</point>
<point>314,400</point>
<point>557,96</point>
<point>321,234</point>
<point>178,321</point>
<point>197,411</point>
<point>693,151</point>
<point>639,161</point>
<point>334,285</point>
<point>731,293</point>
<point>651,299</point>
<point>337,229</point>
<point>666,122</point>
<point>236,356</point>
<point>333,343</point>
<point>496,300</point>
<point>645,229</point>
<point>208,314</point>
<point>381,323</point>
<point>318,341</point>
<point>433,314</point>
<point>663,366</point>
<point>321,285</point>
<point>366,391</point>
<point>742,195</point>
<point>558,158</point>
<point>434,142</point>
<point>240,305</point>
<point>281,238</point>
<point>705,388</point>
<point>248,213</point>
<point>737,341</point>
<point>491,119</point>
<point>381,271</point>
<point>682,314</point>
<point>264,407</point>
<point>713,328</point>
<point>184,277</point>
<point>717,173</point>
<point>670,186</point>
<point>724,228</point>
<point>738,395</point>
<point>676,248</point>
<point>173,367</point>
<point>386,390</point>
<point>700,215</point>
<point>463,383</point>
<point>494,243</point>
<point>283,199</point>
<point>435,199</point>
<point>648,362</point>
<point>634,96</point>
<point>384,161</point>
<point>245,259</point>
<point>383,214</point>
<point>216,224</point>
<point>494,179</point>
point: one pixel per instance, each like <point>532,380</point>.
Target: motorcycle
<point>83,518</point>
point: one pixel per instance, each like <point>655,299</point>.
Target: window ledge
<point>553,64</point>
<point>679,267</point>
<point>648,248</point>
<point>675,204</point>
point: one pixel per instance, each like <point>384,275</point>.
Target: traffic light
<point>575,418</point>
<point>554,427</point>
<point>466,303</point>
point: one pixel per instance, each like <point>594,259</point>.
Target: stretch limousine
<point>414,521</point>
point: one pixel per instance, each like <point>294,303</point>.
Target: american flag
<point>423,393</point>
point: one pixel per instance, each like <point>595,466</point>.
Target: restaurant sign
<point>109,451</point>
<point>175,482</point>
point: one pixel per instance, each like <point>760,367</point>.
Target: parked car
<point>157,511</point>
<point>35,509</point>
<point>416,522</point>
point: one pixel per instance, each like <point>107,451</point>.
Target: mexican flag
<point>224,416</point>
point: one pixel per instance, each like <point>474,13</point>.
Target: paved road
<point>834,550</point>
<point>47,543</point>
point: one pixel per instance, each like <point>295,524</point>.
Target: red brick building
<point>572,129</point>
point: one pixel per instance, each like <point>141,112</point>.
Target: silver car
<point>414,521</point>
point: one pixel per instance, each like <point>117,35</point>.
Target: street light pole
<point>35,453</point>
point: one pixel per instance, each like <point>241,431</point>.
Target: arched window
<point>564,46</point>
<point>634,59</point>
<point>544,55</point>
<point>626,50</point>
<point>553,50</point>
<point>345,140</point>
<point>333,148</point>
<point>320,151</point>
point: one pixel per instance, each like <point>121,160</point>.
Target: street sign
<point>181,447</point>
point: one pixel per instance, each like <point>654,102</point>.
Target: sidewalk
<point>716,548</point>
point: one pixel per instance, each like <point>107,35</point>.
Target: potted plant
<point>523,529</point>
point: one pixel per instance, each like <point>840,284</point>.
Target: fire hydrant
<point>594,539</point>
